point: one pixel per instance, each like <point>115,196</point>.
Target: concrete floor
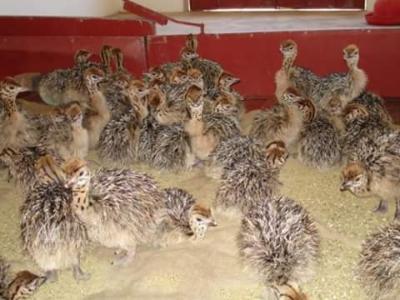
<point>217,22</point>
<point>246,22</point>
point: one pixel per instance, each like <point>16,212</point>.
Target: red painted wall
<point>62,26</point>
<point>253,57</point>
<point>21,54</point>
<point>42,44</point>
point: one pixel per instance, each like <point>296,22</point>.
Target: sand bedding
<point>210,269</point>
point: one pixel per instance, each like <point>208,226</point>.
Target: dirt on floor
<point>210,269</point>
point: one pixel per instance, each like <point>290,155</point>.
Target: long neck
<point>156,82</point>
<point>77,125</point>
<point>120,64</point>
<point>76,122</point>
<point>50,172</point>
<point>310,113</point>
<point>136,103</point>
<point>91,87</point>
<point>80,62</point>
<point>288,61</point>
<point>98,102</point>
<point>80,197</point>
<point>352,64</point>
<point>308,109</point>
<point>196,114</point>
<point>186,59</point>
<point>10,106</point>
<point>132,96</point>
<point>105,60</point>
<point>225,87</point>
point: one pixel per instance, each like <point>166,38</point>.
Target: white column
<point>370,4</point>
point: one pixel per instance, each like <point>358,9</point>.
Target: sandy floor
<point>210,269</point>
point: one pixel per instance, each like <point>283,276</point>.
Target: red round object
<point>386,12</point>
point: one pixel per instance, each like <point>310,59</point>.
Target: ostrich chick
<point>202,145</point>
<point>378,268</point>
<point>246,182</point>
<point>118,141</point>
<point>120,208</point>
<point>98,115</point>
<point>206,131</point>
<point>224,88</point>
<point>22,164</point>
<point>163,146</point>
<point>52,86</point>
<point>12,122</point>
<point>210,69</point>
<point>67,136</point>
<point>118,57</point>
<point>51,232</point>
<point>150,127</point>
<point>282,122</point>
<point>66,85</point>
<point>355,80</point>
<point>346,86</point>
<point>292,76</point>
<point>172,149</point>
<point>23,285</point>
<point>184,214</point>
<point>171,109</point>
<point>319,143</point>
<point>362,131</point>
<point>155,77</point>
<point>375,106</point>
<point>231,151</point>
<point>228,104</point>
<point>379,177</point>
<point>280,241</point>
<point>226,81</point>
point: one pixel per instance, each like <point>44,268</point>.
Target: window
<point>309,4</point>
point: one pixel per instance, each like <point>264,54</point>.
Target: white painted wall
<point>370,4</point>
<point>164,5</point>
<point>89,8</point>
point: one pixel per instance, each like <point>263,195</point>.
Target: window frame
<point>278,5</point>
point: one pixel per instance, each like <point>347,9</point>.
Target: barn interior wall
<point>89,8</point>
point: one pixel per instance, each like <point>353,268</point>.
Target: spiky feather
<point>236,149</point>
<point>118,140</point>
<point>171,148</point>
<point>280,241</point>
<point>123,202</point>
<point>178,203</point>
<point>221,126</point>
<point>4,278</point>
<point>21,164</point>
<point>245,184</point>
<point>379,268</point>
<point>319,144</point>
<point>51,233</point>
